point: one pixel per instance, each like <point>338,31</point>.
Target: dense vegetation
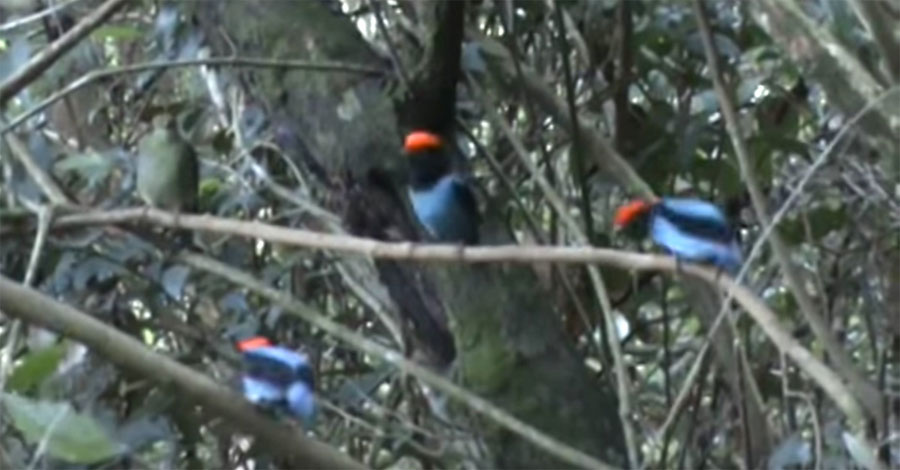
<point>783,112</point>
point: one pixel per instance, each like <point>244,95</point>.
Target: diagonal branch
<point>847,82</point>
<point>830,382</point>
<point>43,60</point>
<point>37,16</point>
<point>864,389</point>
<point>878,25</point>
<point>357,341</point>
<point>40,177</point>
<point>32,306</point>
<point>248,62</point>
<point>595,144</point>
<point>599,287</point>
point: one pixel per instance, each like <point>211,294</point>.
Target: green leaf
<point>720,172</point>
<point>70,436</point>
<point>822,221</point>
<point>36,367</point>
<point>825,220</point>
<point>791,231</point>
<point>91,166</point>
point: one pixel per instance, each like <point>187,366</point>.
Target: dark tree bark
<point>509,342</point>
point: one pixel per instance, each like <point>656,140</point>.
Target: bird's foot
<point>177,219</point>
<point>183,238</point>
<point>719,272</point>
<point>679,265</point>
<point>460,249</point>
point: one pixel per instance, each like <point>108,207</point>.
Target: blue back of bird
<point>278,377</point>
<point>695,230</point>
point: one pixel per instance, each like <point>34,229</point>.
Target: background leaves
<point>270,140</point>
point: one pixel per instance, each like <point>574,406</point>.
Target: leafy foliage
<point>639,78</point>
<point>69,436</point>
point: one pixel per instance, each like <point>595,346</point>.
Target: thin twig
<point>817,429</point>
<point>623,386</point>
<point>41,178</point>
<point>869,394</point>
<point>391,47</point>
<point>19,79</point>
<point>882,34</point>
<point>684,393</point>
<point>480,405</point>
<point>48,434</point>
<point>596,278</point>
<point>18,22</point>
<point>596,144</point>
<point>94,75</point>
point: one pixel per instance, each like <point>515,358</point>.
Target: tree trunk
<point>510,345</point>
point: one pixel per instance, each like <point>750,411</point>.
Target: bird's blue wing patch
<point>301,402</point>
<point>261,392</point>
<point>278,365</point>
<point>690,247</point>
<point>696,217</point>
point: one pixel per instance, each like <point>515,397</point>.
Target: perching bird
<point>278,378</point>
<point>690,229</point>
<point>441,199</point>
<point>167,170</point>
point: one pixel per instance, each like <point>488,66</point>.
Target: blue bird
<point>278,378</point>
<point>442,201</point>
<point>690,229</point>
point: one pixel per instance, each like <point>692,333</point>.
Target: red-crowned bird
<point>690,229</point>
<point>441,199</point>
<point>278,378</point>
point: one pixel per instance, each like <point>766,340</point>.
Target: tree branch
<point>595,144</point>
<point>293,306</point>
<point>879,26</point>
<point>37,16</point>
<point>869,394</point>
<point>253,62</point>
<point>623,388</point>
<point>44,59</point>
<point>767,320</point>
<point>846,81</point>
<point>366,246</point>
<point>40,177</point>
<point>30,305</point>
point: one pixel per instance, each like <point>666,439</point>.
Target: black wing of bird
<point>467,198</point>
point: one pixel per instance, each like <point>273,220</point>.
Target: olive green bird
<point>167,168</point>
